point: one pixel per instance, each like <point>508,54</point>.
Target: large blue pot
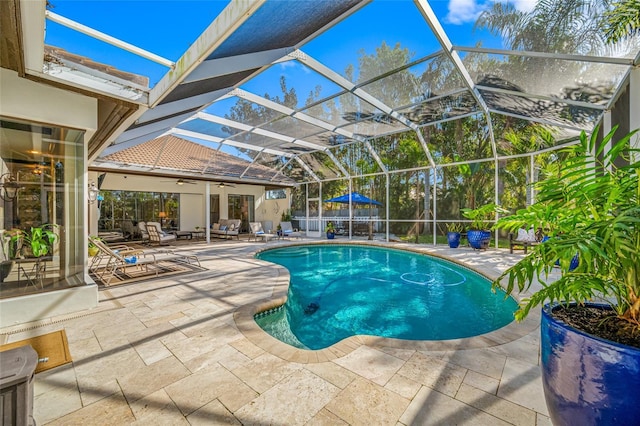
<point>478,239</point>
<point>588,380</point>
<point>453,238</point>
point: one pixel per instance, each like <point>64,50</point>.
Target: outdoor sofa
<point>226,228</point>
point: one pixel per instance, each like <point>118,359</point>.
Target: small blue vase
<point>454,239</point>
<point>575,261</point>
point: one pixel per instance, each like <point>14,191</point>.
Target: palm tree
<point>555,26</point>
<point>622,21</point>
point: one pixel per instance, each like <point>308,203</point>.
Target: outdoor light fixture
<point>10,187</point>
<point>93,193</point>
<point>162,216</point>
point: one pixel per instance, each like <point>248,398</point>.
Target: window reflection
<point>242,207</point>
<point>46,164</point>
<point>120,211</point>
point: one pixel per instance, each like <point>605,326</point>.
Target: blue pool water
<point>340,291</point>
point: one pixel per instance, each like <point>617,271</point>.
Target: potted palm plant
<point>479,232</point>
<point>330,230</point>
<point>590,332</point>
<point>454,231</point>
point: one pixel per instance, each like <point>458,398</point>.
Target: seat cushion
<point>522,235</point>
<point>526,236</point>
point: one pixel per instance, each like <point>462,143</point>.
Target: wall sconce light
<point>10,187</point>
<point>93,193</point>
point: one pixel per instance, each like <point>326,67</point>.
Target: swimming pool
<point>337,291</point>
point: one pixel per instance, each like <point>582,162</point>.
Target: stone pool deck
<point>185,350</point>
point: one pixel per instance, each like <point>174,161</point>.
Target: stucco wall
<point>192,199</point>
<point>32,101</point>
<point>36,102</point>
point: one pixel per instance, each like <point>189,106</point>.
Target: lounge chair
<point>112,261</point>
<point>288,232</point>
<point>256,232</point>
<point>157,235</point>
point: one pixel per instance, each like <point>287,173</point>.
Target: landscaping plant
<point>588,203</point>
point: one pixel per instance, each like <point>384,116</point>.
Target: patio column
<point>207,211</point>
<point>634,105</point>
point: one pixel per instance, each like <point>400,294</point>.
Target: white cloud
<point>523,5</point>
<point>287,64</point>
<point>463,11</point>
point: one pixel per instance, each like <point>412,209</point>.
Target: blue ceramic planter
<point>454,239</point>
<point>478,239</point>
<point>330,235</point>
<point>587,380</point>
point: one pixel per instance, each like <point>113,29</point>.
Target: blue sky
<point>168,27</point>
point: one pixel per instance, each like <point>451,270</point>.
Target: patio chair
<point>127,229</point>
<point>157,235</point>
<point>256,231</point>
<point>525,239</point>
<point>288,231</point>
<point>112,261</point>
<point>142,226</point>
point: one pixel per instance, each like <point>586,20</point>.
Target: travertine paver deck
<point>185,350</point>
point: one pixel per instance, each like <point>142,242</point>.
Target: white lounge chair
<point>256,232</point>
<point>288,231</point>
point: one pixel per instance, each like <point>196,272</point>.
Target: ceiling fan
<point>182,181</point>
<point>223,184</point>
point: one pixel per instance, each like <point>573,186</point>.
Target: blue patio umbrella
<point>355,198</point>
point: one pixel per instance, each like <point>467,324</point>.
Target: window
<point>276,194</point>
<point>242,207</point>
<point>46,163</point>
<point>122,210</point>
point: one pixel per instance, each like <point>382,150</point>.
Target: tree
<point>563,26</point>
<point>553,26</point>
<point>622,20</point>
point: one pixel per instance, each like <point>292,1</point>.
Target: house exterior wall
<point>27,100</point>
<point>192,197</point>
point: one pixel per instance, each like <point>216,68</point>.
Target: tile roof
<point>59,55</point>
<point>174,153</point>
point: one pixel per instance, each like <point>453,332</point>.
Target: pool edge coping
<point>244,318</point>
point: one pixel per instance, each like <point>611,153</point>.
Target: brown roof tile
<point>171,152</point>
